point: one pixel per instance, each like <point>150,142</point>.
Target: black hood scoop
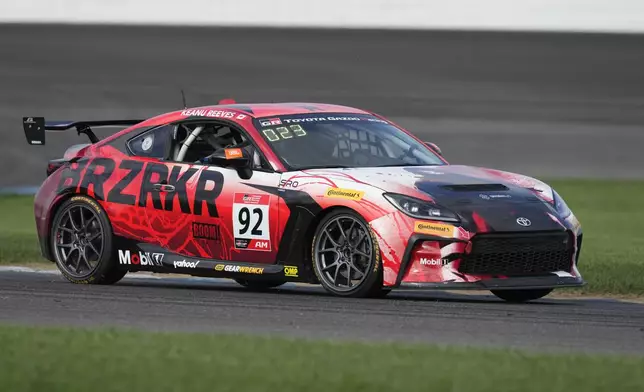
<point>476,187</point>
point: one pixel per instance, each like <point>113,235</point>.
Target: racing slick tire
<point>518,296</point>
<point>346,256</point>
<point>260,285</point>
<point>81,243</point>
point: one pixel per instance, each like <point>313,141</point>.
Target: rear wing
<point>35,127</point>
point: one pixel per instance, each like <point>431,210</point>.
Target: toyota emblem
<point>525,222</point>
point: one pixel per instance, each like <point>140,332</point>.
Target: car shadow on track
<point>318,292</point>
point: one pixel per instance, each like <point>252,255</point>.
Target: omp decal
<point>341,193</point>
<point>290,271</point>
<point>233,153</point>
<point>438,229</point>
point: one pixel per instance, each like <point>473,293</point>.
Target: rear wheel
<point>81,241</point>
<point>518,296</point>
<point>346,256</point>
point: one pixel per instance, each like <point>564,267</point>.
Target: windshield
<point>307,141</point>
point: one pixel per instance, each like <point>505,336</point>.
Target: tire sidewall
<point>105,262</point>
<point>373,280</point>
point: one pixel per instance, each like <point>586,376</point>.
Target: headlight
<point>420,209</point>
<point>561,206</point>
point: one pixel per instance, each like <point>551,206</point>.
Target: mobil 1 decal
<point>251,221</point>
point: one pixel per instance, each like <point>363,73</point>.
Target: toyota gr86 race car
<point>270,193</point>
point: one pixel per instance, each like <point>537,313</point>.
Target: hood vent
<point>476,187</point>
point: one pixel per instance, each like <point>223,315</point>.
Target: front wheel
<point>346,256</point>
<point>81,241</point>
<point>519,296</point>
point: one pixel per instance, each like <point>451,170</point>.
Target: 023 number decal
<point>284,132</point>
<point>251,224</point>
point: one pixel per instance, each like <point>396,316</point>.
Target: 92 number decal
<point>245,219</point>
<point>284,132</point>
<point>251,221</point>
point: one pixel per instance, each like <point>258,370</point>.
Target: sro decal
<point>288,184</point>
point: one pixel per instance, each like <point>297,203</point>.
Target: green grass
<point>39,359</point>
<point>18,240</point>
<point>611,213</point>
<point>612,217</point>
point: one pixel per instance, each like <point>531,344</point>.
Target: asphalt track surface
<point>541,104</point>
<point>206,305</point>
<point>551,105</point>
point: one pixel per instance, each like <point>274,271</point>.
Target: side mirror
<point>236,158</point>
<point>434,147</point>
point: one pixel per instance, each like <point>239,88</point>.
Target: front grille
<point>519,255</point>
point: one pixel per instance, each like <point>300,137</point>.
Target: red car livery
<point>318,193</point>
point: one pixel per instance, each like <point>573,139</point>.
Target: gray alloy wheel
<point>81,242</point>
<point>346,257</point>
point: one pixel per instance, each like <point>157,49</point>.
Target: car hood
<point>491,199</point>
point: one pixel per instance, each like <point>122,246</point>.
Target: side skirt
<point>153,258</point>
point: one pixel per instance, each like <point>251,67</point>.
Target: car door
<point>208,211</point>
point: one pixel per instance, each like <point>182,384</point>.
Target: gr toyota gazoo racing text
<point>270,193</point>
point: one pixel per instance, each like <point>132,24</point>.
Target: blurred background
<point>542,87</point>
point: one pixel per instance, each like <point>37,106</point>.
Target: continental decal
<point>341,193</point>
<point>437,229</point>
<point>88,201</point>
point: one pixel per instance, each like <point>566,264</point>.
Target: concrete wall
<point>538,15</point>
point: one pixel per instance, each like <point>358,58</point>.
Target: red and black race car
<point>270,193</point>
